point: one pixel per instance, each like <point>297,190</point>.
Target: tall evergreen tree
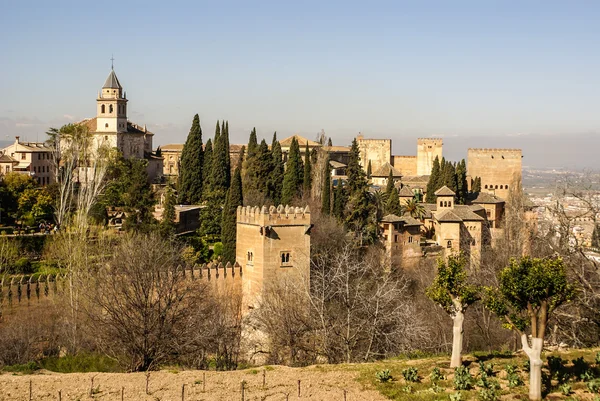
<point>450,176</point>
<point>370,170</point>
<point>461,181</point>
<point>261,169</point>
<point>276,178</point>
<point>326,194</point>
<point>390,185</point>
<point>329,142</point>
<point>476,184</point>
<point>393,203</point>
<point>292,178</point>
<point>167,224</point>
<point>339,200</point>
<point>220,172</point>
<point>207,169</point>
<point>433,180</point>
<point>596,236</point>
<point>225,134</point>
<point>229,218</point>
<point>190,169</point>
<point>356,175</point>
<point>252,144</point>
<point>307,176</point>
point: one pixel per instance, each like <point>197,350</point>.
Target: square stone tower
<point>427,150</point>
<point>272,244</point>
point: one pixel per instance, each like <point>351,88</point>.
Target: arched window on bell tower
<point>110,109</point>
<point>102,109</point>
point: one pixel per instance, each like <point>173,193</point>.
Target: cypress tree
<point>326,194</point>
<point>390,184</point>
<point>329,143</point>
<point>207,169</point>
<point>292,178</point>
<point>252,144</point>
<point>307,176</point>
<point>190,170</point>
<point>225,134</point>
<point>229,218</point>
<point>393,203</point>
<point>276,178</point>
<point>369,170</point>
<point>167,224</point>
<point>433,180</point>
<point>158,152</point>
<point>461,180</point>
<point>220,171</point>
<point>356,175</point>
<point>339,201</point>
<point>476,184</point>
<point>261,168</point>
<point>596,236</point>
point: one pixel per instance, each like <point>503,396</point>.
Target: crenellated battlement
<point>423,140</point>
<point>494,150</point>
<point>273,216</point>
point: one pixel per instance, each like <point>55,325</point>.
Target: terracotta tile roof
<point>406,220</point>
<point>336,148</point>
<point>392,218</point>
<point>467,213</point>
<point>287,142</point>
<point>172,147</point>
<point>405,192</point>
<point>336,164</point>
<point>384,171</point>
<point>448,216</point>
<point>486,198</point>
<point>7,159</point>
<point>444,191</point>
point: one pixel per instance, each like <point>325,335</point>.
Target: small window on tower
<point>285,258</point>
<point>110,108</point>
<point>102,109</point>
<point>106,125</point>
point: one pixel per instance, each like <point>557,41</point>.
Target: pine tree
<point>356,175</point>
<point>433,180</point>
<point>229,218</point>
<point>190,170</point>
<point>390,184</point>
<point>449,179</point>
<point>207,169</point>
<point>339,200</point>
<point>252,144</point>
<point>307,176</point>
<point>326,194</point>
<point>276,178</point>
<point>292,178</point>
<point>393,203</point>
<point>369,170</point>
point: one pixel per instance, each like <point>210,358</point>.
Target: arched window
<point>486,186</point>
<point>106,125</point>
<point>449,244</point>
<point>506,187</point>
<point>445,204</point>
<point>501,187</point>
<point>441,204</point>
<point>496,187</point>
<point>450,204</point>
<point>102,109</point>
<point>110,108</point>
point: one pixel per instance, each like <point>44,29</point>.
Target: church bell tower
<point>112,106</point>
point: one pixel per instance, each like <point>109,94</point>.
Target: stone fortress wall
<point>499,169</point>
<point>427,150</point>
<point>378,151</point>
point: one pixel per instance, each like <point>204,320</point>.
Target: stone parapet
<point>273,216</point>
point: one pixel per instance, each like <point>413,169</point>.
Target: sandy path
<point>166,386</point>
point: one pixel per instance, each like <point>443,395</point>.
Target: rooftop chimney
<point>17,139</point>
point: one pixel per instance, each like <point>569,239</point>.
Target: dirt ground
<point>281,382</point>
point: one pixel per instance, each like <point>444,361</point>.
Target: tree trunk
<point>535,371</point>
<point>457,339</point>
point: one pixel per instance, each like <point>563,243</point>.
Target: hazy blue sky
<point>480,70</point>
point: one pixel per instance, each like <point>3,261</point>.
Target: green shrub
<point>565,389</point>
<point>383,376</point>
<point>22,266</point>
<point>488,394</point>
<point>436,375</point>
<point>462,378</point>
<point>598,358</point>
<point>486,368</point>
<point>26,368</point>
<point>83,362</point>
<point>593,386</point>
<point>456,396</point>
<point>514,380</point>
<point>510,369</point>
<point>436,389</point>
<point>411,375</point>
<point>579,367</point>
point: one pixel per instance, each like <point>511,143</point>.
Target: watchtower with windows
<point>272,244</point>
<point>111,106</point>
